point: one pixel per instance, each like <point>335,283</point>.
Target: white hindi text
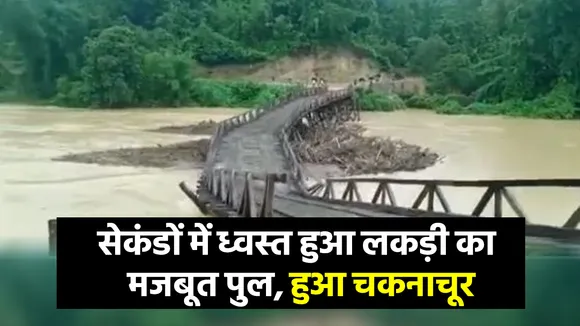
<point>312,243</point>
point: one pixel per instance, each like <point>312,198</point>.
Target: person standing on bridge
<point>314,82</point>
<point>362,81</point>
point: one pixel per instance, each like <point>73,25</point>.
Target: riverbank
<point>558,104</point>
<point>237,94</point>
<point>196,92</point>
<point>343,149</point>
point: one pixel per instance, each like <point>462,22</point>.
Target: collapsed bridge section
<point>251,170</point>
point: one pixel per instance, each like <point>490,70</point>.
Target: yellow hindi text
<point>395,283</point>
<point>329,284</point>
<point>455,285</point>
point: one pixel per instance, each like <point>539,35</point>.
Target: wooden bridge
<point>251,171</point>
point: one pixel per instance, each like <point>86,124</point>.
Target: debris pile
<point>343,146</point>
<point>346,146</point>
<point>160,156</point>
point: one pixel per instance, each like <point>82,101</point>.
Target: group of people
<point>362,81</point>
<point>371,80</point>
<point>317,81</point>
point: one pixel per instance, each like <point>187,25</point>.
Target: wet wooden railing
<point>431,193</point>
<point>220,191</point>
<point>289,129</point>
<point>230,193</point>
<point>225,126</point>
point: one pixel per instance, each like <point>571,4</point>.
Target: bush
<point>166,80</point>
<point>463,100</point>
<point>555,105</point>
<point>420,102</point>
<point>223,93</point>
<point>71,93</point>
<point>370,100</point>
<point>451,107</point>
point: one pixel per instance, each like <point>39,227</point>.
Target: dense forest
<point>481,56</point>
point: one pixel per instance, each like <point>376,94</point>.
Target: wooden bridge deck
<point>255,147</point>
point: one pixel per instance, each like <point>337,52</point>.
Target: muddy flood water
<point>33,188</point>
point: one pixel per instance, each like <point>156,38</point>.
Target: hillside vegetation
<point>479,56</point>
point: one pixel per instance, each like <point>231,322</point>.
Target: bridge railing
<point>210,175</point>
<point>296,178</point>
<point>231,193</point>
<point>224,127</point>
<point>431,193</point>
<point>294,164</point>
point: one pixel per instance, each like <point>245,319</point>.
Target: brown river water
<point>34,189</point>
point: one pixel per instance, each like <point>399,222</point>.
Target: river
<point>34,189</point>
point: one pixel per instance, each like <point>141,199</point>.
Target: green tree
<point>166,79</point>
<point>427,55</point>
<point>113,69</point>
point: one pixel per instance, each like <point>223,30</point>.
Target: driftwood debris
<point>205,127</point>
<point>346,146</point>
<point>161,156</point>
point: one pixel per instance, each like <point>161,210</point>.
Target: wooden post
<point>267,210</point>
<point>193,197</point>
<point>52,237</point>
<point>248,205</point>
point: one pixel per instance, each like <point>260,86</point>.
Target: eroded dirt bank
<point>344,147</point>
